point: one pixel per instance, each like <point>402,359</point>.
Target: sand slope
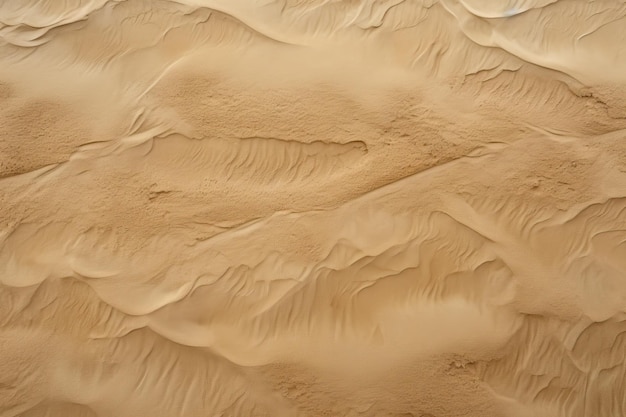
<point>312,208</point>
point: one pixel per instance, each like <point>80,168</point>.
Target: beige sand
<point>312,208</point>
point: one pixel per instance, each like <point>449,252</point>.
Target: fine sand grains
<point>312,208</point>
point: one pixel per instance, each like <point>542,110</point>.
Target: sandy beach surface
<point>308,208</point>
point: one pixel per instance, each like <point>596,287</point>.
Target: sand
<point>312,208</point>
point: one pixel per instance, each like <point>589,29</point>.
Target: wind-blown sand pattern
<point>312,208</point>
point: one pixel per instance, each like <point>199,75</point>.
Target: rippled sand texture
<point>312,208</point>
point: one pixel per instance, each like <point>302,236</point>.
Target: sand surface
<point>386,208</point>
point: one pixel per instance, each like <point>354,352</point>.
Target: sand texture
<point>308,208</point>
